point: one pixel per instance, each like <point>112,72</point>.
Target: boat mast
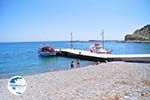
<point>71,40</point>
<point>102,38</point>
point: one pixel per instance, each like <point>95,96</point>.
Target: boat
<point>97,48</point>
<point>47,51</point>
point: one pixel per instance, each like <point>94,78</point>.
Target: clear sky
<point>50,20</point>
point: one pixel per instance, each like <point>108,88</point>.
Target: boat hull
<point>47,54</point>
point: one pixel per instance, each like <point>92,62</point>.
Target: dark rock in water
<point>142,34</point>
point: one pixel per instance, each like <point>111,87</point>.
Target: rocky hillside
<point>142,34</point>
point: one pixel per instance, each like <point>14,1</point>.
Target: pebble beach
<point>106,81</point>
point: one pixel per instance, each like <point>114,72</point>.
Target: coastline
<point>112,80</point>
<point>136,41</point>
<point>48,71</point>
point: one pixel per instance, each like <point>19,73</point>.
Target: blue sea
<point>21,58</point>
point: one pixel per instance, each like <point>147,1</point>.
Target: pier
<point>87,55</point>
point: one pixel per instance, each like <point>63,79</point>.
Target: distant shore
<point>106,81</point>
<point>129,41</point>
<point>135,41</point>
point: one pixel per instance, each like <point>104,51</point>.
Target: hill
<point>142,34</point>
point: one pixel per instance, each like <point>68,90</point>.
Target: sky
<point>54,20</point>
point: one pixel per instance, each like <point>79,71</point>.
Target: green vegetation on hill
<point>142,34</point>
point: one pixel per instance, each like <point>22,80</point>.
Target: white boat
<point>47,51</point>
<point>97,48</point>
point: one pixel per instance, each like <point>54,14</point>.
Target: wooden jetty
<point>87,55</point>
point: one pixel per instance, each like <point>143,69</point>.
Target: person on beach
<point>98,62</point>
<point>72,64</point>
<point>78,63</point>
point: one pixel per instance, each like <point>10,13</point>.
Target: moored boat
<point>47,51</point>
<point>97,48</point>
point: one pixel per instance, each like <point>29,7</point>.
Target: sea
<point>21,58</point>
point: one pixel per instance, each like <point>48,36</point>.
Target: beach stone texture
<point>106,81</point>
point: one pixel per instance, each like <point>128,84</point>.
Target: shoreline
<point>49,71</point>
<point>111,80</point>
<point>128,41</point>
<point>136,41</point>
